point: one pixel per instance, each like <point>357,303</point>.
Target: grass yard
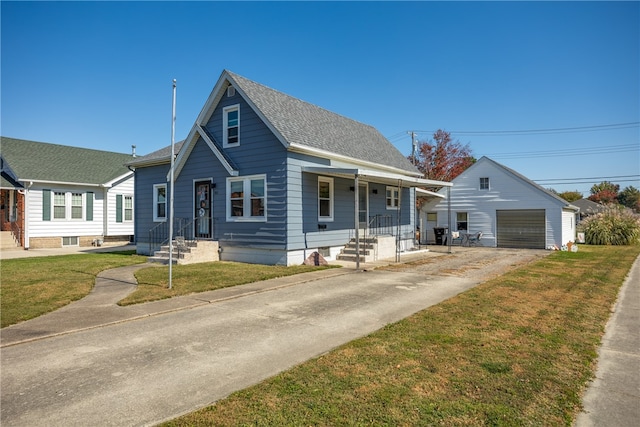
<point>517,350</point>
<point>192,278</point>
<point>30,287</point>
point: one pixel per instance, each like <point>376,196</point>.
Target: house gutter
<point>84,184</point>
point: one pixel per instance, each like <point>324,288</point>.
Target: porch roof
<point>8,183</point>
<point>376,176</point>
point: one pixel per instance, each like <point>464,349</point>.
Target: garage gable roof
<point>524,179</point>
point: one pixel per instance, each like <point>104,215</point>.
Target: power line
<point>588,178</point>
<point>596,128</point>
<point>582,151</point>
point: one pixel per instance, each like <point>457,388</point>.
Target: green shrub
<point>614,226</point>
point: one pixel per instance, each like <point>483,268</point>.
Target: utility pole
<point>414,147</point>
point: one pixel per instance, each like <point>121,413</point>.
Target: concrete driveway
<point>154,368</point>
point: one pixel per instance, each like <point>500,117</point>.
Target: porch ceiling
<point>376,176</point>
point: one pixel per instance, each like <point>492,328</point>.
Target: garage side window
<point>484,183</point>
<point>462,221</point>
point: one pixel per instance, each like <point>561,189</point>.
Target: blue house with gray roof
<point>274,179</point>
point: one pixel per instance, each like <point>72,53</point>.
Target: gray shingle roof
<point>162,155</point>
<point>41,161</point>
<point>307,125</point>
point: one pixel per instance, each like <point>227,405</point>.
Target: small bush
<point>614,226</point>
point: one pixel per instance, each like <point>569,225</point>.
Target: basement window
<point>70,241</point>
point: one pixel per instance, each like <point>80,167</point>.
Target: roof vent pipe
<point>133,150</point>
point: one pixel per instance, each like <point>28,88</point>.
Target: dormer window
<point>231,125</point>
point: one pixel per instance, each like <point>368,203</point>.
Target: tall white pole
<point>173,137</point>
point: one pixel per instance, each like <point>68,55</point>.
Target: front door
<point>202,209</point>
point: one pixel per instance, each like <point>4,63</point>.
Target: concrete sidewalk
<point>613,397</point>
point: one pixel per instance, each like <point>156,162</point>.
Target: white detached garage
<point>509,209</point>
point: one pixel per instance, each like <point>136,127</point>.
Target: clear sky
<point>550,89</point>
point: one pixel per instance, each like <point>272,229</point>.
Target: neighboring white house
<point>55,195</point>
<point>509,209</point>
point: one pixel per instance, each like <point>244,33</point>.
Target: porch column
<point>356,217</point>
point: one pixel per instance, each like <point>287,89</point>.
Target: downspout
<point>105,212</point>
<point>356,218</point>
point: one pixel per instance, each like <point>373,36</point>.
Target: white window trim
<point>53,206</point>
<point>488,183</point>
<point>467,220</point>
<point>124,209</point>
<point>225,125</point>
<point>82,206</point>
<point>395,196</point>
<point>156,218</point>
<point>331,199</point>
<point>246,203</point>
<point>68,207</point>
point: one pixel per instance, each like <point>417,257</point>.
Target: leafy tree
<point>570,196</point>
<point>442,159</point>
<point>605,193</point>
<point>630,197</point>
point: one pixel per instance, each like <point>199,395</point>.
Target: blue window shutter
<point>118,207</point>
<point>46,205</point>
<point>89,215</point>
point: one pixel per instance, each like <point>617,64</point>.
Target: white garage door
<point>521,229</point>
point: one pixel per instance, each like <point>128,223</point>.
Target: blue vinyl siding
<point>292,222</point>
<point>145,178</point>
<point>259,152</point>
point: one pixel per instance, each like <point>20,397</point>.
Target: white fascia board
<point>216,95</point>
<point>330,155</point>
<point>183,154</point>
<point>75,184</point>
<point>426,193</point>
<point>118,179</point>
<point>213,99</point>
<point>258,112</point>
<point>217,152</point>
<point>390,178</point>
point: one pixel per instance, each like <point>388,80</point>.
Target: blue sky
<point>550,89</point>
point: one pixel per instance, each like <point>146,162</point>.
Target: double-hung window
<point>59,205</point>
<point>128,208</point>
<point>231,125</point>
<point>462,221</point>
<point>392,197</point>
<point>76,205</point>
<point>159,202</point>
<point>247,198</point>
<point>484,183</point>
<point>325,199</point>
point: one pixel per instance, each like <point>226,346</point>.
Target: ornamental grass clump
<point>613,226</point>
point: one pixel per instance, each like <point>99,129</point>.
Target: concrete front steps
<point>7,241</point>
<point>188,252</point>
<point>371,249</point>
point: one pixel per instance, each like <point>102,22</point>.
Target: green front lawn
<point>517,350</point>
